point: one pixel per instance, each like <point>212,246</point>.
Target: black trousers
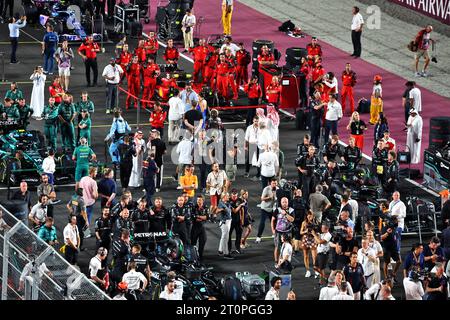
<point>100,7</point>
<point>251,113</point>
<point>125,173</point>
<point>356,40</point>
<point>303,92</point>
<point>71,255</point>
<point>14,44</point>
<point>158,175</point>
<point>181,230</point>
<point>198,233</point>
<point>91,64</point>
<point>315,131</point>
<point>8,4</point>
<point>111,4</point>
<point>236,226</point>
<point>307,185</point>
<point>203,174</point>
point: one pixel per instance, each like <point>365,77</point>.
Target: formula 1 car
<point>21,156</point>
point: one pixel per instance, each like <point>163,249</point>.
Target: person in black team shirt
<point>103,229</point>
<point>352,154</point>
<point>122,222</point>
<point>126,151</point>
<point>306,166</point>
<point>160,223</point>
<point>193,119</point>
<point>300,207</point>
<point>316,111</point>
<point>180,213</point>
<point>389,244</point>
<point>390,179</point>
<point>331,149</point>
<point>141,261</point>
<point>436,288</point>
<point>121,255</point>
<point>344,249</point>
<point>198,233</point>
<point>190,208</point>
<point>236,220</point>
<point>379,161</point>
<point>327,178</point>
<point>159,149</point>
<point>302,148</point>
<point>141,224</point>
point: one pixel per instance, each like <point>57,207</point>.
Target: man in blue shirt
<point>189,97</point>
<point>119,128</point>
<point>14,27</point>
<point>414,259</point>
<point>49,45</point>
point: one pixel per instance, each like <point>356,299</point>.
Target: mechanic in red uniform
<point>125,59</point>
<point>254,94</point>
<point>151,45</point>
<point>314,49</point>
<point>56,91</point>
<point>140,52</point>
<point>157,118</point>
<point>199,53</point>
<point>243,59</point>
<point>171,54</point>
<point>232,72</point>
<point>210,66</point>
<point>134,81</point>
<point>273,91</point>
<point>317,74</point>
<point>222,76</point>
<point>167,84</point>
<point>348,82</point>
<point>150,73</point>
<point>265,58</point>
<point>88,51</point>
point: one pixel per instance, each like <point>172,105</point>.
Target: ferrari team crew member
<point>151,45</point>
<point>254,93</point>
<point>273,91</point>
<point>150,73</point>
<point>124,58</point>
<point>317,75</point>
<point>50,114</point>
<point>88,51</point>
<point>211,61</point>
<point>134,81</point>
<point>232,72</point>
<point>157,118</point>
<point>171,54</point>
<point>66,116</point>
<point>200,52</point>
<point>82,154</point>
<point>265,58</point>
<point>243,59</point>
<point>348,82</point>
<point>222,76</point>
<point>314,50</point>
<point>140,51</point>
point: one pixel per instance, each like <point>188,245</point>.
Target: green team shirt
<point>24,111</point>
<point>14,95</point>
<point>87,122</point>
<point>82,154</point>
<point>85,105</point>
<point>50,113</point>
<point>12,113</point>
<point>67,111</point>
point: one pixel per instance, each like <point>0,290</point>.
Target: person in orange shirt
<point>273,91</point>
<point>189,182</point>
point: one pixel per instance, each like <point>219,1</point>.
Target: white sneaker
<point>308,274</point>
<point>273,236</point>
<point>424,74</point>
<point>316,275</point>
<point>258,240</point>
<point>417,74</point>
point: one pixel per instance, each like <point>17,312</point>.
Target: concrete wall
<point>408,15</point>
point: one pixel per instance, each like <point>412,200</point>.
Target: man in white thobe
<point>136,172</point>
<point>414,136</point>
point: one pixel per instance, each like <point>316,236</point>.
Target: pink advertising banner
<point>436,9</point>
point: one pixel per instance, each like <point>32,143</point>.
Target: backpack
<point>232,289</point>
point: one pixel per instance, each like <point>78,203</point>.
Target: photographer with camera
<point>436,288</point>
<point>323,247</point>
<point>281,224</point>
<point>413,286</point>
<point>345,244</point>
<point>414,260</point>
<point>389,242</point>
<point>433,253</point>
<point>375,292</point>
<point>308,240</point>
<point>354,273</point>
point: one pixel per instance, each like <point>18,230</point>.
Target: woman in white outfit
<point>37,101</point>
<point>136,172</point>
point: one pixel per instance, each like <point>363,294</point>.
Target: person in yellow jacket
<point>227,12</point>
<point>376,107</point>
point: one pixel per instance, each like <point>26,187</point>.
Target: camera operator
<point>354,273</point>
<point>352,155</point>
<point>198,233</point>
<point>306,165</point>
<point>134,279</point>
<point>436,287</point>
<point>103,229</point>
<point>318,203</point>
<point>121,253</point>
<point>327,178</point>
<point>123,222</point>
<point>413,286</point>
<point>323,247</point>
<point>331,149</point>
<point>433,253</point>
<point>299,205</point>
<point>390,180</point>
<point>397,208</point>
<point>414,260</point>
<point>38,213</point>
<point>367,257</point>
<point>375,291</point>
<point>281,224</point>
<point>344,248</point>
<point>389,243</point>
<point>179,212</point>
<point>285,190</point>
<point>379,160</point>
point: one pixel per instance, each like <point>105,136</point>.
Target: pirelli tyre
<point>294,55</point>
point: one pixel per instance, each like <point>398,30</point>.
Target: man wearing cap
<point>414,135</point>
<point>112,74</point>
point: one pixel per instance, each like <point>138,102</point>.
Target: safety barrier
<point>49,276</point>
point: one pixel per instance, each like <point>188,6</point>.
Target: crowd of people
<point>130,232</point>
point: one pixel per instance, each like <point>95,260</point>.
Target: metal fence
<point>47,276</point>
